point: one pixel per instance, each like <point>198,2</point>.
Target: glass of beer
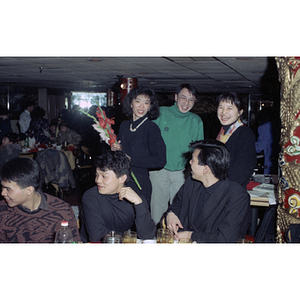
<point>129,237</point>
<point>164,236</point>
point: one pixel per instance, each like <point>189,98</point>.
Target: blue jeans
<point>165,185</point>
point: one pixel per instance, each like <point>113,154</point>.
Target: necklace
<point>134,129</point>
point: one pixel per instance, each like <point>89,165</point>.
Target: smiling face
<point>13,194</point>
<point>185,100</point>
<point>228,113</point>
<point>108,183</point>
<point>140,106</point>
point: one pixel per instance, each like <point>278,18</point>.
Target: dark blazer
<point>241,146</point>
<point>224,216</point>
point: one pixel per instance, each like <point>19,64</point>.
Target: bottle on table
<point>26,141</point>
<point>65,146</point>
<point>64,234</point>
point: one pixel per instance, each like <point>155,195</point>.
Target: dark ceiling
<point>209,74</point>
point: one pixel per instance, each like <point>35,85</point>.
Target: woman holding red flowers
<point>140,138</point>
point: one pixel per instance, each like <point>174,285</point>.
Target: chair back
<point>266,232</point>
<point>55,168</point>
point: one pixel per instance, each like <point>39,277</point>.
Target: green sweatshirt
<point>178,131</point>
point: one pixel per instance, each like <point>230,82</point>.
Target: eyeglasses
<point>184,99</point>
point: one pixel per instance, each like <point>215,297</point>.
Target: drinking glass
<point>164,236</point>
<point>112,238</point>
<point>129,237</point>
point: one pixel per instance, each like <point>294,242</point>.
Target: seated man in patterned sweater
<point>29,215</point>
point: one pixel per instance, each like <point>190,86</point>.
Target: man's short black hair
<point>23,171</point>
<point>11,136</point>
<point>28,103</point>
<point>214,154</point>
<point>192,90</point>
<point>116,161</point>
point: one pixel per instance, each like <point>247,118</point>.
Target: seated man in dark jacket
<point>114,204</point>
<point>209,207</point>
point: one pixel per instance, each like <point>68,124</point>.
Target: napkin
<point>252,185</point>
<point>31,142</point>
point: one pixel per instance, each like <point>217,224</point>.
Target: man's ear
<point>123,178</point>
<point>206,169</point>
<point>241,112</point>
<point>29,190</point>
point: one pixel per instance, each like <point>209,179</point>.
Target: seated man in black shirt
<point>209,207</point>
<point>114,203</point>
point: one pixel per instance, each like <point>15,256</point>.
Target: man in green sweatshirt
<point>179,127</point>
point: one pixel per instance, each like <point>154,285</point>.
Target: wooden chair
<point>30,155</point>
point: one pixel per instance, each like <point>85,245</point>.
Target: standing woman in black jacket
<point>140,138</point>
<point>239,139</point>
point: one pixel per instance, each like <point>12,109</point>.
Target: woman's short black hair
<point>231,97</point>
<point>23,171</point>
<point>133,94</point>
<point>116,161</point>
<point>214,154</point>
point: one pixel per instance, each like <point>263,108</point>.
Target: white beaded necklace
<point>134,129</point>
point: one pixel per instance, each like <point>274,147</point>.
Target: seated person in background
<point>29,215</point>
<point>113,204</point>
<point>267,140</point>
<point>39,128</point>
<point>68,135</point>
<point>209,207</point>
<point>52,130</point>
<point>9,148</point>
<point>5,125</point>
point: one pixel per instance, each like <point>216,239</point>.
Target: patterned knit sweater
<point>17,225</point>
